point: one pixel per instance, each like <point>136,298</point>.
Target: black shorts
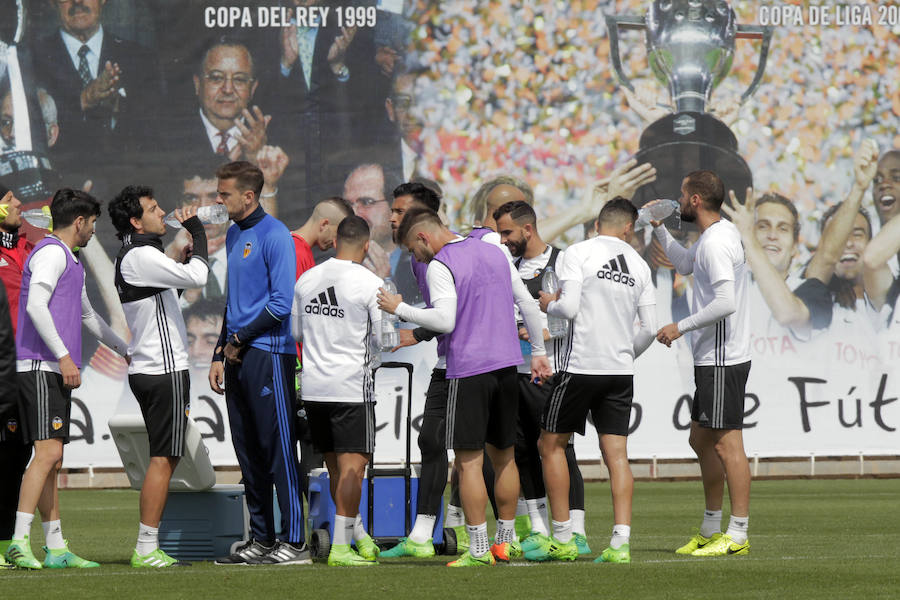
<point>607,397</point>
<point>165,404</point>
<point>342,426</point>
<point>436,395</point>
<point>45,405</point>
<point>532,399</point>
<point>719,398</point>
<point>483,409</point>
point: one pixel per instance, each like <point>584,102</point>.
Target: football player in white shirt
<point>720,322</point>
<point>606,285</point>
<point>335,316</point>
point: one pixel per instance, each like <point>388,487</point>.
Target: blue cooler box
<point>389,504</point>
<point>203,525</point>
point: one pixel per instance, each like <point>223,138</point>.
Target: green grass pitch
<point>809,539</point>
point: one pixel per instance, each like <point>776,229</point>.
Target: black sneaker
<point>286,553</point>
<point>248,553</point>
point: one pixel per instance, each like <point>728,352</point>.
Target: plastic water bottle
<point>656,210</point>
<point>389,336</point>
<point>557,326</point>
<point>213,214</point>
<point>39,217</point>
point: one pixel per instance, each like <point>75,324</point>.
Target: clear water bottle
<point>389,336</point>
<point>557,326</point>
<point>657,210</point>
<point>209,215</point>
<point>39,217</point>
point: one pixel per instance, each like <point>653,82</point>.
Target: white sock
<point>621,535</point>
<point>577,517</point>
<point>53,535</point>
<point>562,530</point>
<point>343,530</point>
<point>537,510</point>
<point>359,532</point>
<point>423,530</point>
<point>522,507</point>
<point>455,516</point>
<point>737,529</point>
<point>148,539</point>
<point>712,523</point>
<point>506,531</point>
<point>23,525</point>
<point>478,540</point>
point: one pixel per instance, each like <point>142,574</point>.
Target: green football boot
<point>462,538</point>
<point>467,560</point>
<point>696,542</point>
<point>407,547</point>
<point>342,555</point>
<point>622,554</point>
<point>19,553</point>
<point>63,558</point>
<point>155,560</point>
<point>367,548</point>
<point>523,526</point>
<point>553,549</point>
<point>582,543</point>
<point>723,546</point>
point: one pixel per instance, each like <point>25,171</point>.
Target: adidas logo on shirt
<point>616,270</point>
<point>325,304</point>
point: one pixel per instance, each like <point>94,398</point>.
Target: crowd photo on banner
<point>227,225</point>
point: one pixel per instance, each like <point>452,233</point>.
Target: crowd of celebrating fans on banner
<point>316,142</point>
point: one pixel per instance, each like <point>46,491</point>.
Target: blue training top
<point>261,277</point>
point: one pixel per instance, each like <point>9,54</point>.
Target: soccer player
<point>256,356</point>
<point>53,305</point>
<point>606,286</point>
<point>336,317</point>
<point>14,452</point>
<point>720,341</point>
<point>319,230</point>
<point>517,225</point>
<point>472,287</point>
<point>147,280</point>
<point>432,443</point>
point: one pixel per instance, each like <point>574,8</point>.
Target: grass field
<point>810,539</point>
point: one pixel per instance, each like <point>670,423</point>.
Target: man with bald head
<point>320,230</point>
<point>495,193</point>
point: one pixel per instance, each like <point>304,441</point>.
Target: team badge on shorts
<point>187,410</point>
<point>247,247</point>
<point>57,423</point>
<point>11,425</point>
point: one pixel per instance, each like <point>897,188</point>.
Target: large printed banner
<point>350,98</point>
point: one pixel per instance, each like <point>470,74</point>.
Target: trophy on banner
<point>690,48</point>
<point>24,166</point>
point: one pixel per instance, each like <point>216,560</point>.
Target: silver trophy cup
<point>690,49</point>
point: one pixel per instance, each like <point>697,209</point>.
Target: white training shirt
<point>614,281</point>
<point>47,266</point>
<point>158,334</point>
<point>718,256</point>
<point>335,316</point>
<point>529,268</point>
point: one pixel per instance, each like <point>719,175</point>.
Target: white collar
<point>213,134</point>
<point>73,44</point>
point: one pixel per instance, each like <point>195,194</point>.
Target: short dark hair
<point>420,193</point>
<point>204,309</point>
<point>775,198</point>
<point>247,176</point>
<point>429,183</point>
<point>69,204</point>
<point>519,211</point>
<point>708,186</point>
<point>353,230</point>
<point>227,41</point>
<point>833,209</point>
<point>414,217</point>
<point>616,211</point>
<point>125,205</point>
